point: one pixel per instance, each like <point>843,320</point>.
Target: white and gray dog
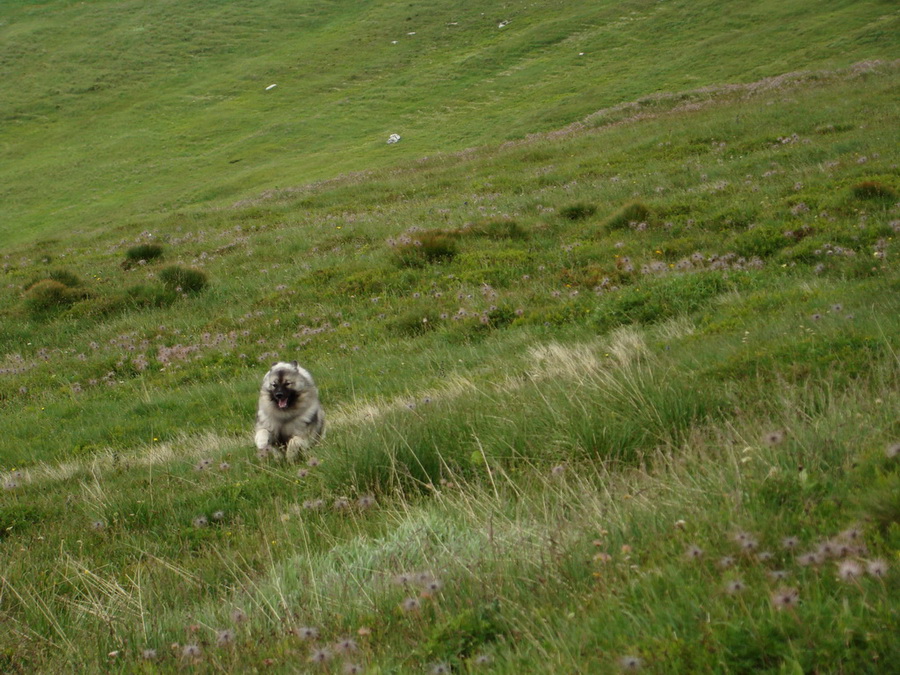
<point>289,418</point>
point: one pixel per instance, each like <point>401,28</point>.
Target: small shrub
<point>144,252</point>
<point>183,279</point>
<point>144,295</point>
<point>48,296</point>
<point>873,190</point>
<point>578,211</point>
<point>64,277</point>
<point>413,323</point>
<point>762,241</point>
<point>634,212</point>
<point>497,229</point>
<point>427,248</point>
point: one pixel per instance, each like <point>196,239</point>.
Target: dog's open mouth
<point>282,402</point>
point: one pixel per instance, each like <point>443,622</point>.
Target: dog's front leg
<point>295,447</point>
<point>262,439</point>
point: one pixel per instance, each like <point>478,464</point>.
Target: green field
<point>608,342</point>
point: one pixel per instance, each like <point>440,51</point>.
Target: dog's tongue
<point>282,403</point>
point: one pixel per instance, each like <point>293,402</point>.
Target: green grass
<point>594,339</point>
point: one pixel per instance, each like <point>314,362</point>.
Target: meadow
<point>609,360</point>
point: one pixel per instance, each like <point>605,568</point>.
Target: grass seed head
<point>693,553</point>
<point>630,664</point>
<point>877,568</point>
<point>785,598</point>
<point>224,637</point>
<point>849,570</point>
<point>191,651</point>
<point>346,646</point>
<point>735,587</point>
<point>307,633</point>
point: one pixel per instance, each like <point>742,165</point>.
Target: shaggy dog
<point>289,417</point>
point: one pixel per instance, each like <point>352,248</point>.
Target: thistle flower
<point>440,669</point>
<point>877,568</point>
<point>191,651</point>
<point>341,504</point>
<point>149,655</point>
<point>313,462</point>
<point>852,534</point>
<point>693,553</point>
<point>849,570</point>
<point>98,525</point>
<point>238,616</point>
<point>809,559</point>
<point>352,668</point>
<point>410,605</point>
<point>735,587</point>
<point>778,575</point>
<point>224,637</point>
<point>774,438</point>
<point>218,515</point>
<point>630,663</point>
<point>433,586</point>
<point>402,579</point>
<point>765,556</point>
<point>558,470</point>
<point>790,543</point>
<point>365,502</point>
<point>307,633</point>
<point>726,562</point>
<point>785,598</point>
<point>346,646</point>
<point>482,660</point>
<point>892,451</point>
<point>200,522</point>
<point>224,466</point>
<point>319,656</point>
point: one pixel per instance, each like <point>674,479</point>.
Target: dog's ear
<point>295,364</point>
<point>273,365</point>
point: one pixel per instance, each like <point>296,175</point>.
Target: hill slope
<point>118,111</point>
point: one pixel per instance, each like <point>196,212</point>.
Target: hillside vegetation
<point>608,342</point>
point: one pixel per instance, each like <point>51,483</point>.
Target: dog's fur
<point>289,417</point>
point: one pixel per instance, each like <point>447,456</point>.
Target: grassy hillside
<point>608,343</point>
<point>118,112</point>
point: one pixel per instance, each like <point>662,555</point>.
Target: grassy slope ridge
<point>606,391</point>
<point>116,111</point>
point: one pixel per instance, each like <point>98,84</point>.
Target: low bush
<point>578,211</point>
<point>633,212</point>
<point>873,190</point>
<point>183,279</point>
<point>427,248</point>
<point>144,252</point>
<point>48,296</point>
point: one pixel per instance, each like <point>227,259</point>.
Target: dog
<point>289,417</point>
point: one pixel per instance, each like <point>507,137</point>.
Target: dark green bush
<point>183,279</point>
<point>633,212</point>
<point>144,252</point>
<point>762,241</point>
<point>64,277</point>
<point>48,295</point>
<point>427,248</point>
<point>873,190</point>
<point>578,211</point>
<point>145,295</point>
<point>497,229</point>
